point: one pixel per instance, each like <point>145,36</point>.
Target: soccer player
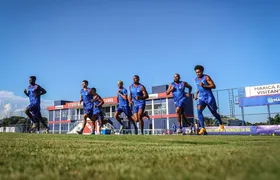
<point>123,107</point>
<point>33,110</point>
<point>86,97</point>
<point>97,108</point>
<point>205,97</point>
<point>138,95</point>
<point>180,98</point>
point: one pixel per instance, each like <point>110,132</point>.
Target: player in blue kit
<point>86,96</point>
<point>33,110</point>
<point>177,87</point>
<point>205,97</point>
<point>138,96</point>
<point>97,108</point>
<point>123,107</point>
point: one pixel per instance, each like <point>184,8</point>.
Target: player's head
<point>120,84</point>
<point>136,79</point>
<point>177,77</point>
<point>85,84</point>
<point>199,70</point>
<point>93,90</point>
<point>32,80</point>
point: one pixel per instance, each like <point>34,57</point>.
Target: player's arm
<point>188,86</point>
<point>196,95</point>
<point>124,96</point>
<point>101,102</point>
<point>211,84</point>
<point>169,89</point>
<point>26,93</point>
<point>130,95</point>
<point>41,90</point>
<point>145,94</point>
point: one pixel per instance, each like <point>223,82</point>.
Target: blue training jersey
<point>34,95</point>
<point>178,91</point>
<point>87,97</point>
<point>204,93</point>
<point>122,101</point>
<point>96,102</point>
<point>137,91</point>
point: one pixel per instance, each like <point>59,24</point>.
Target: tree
<point>275,120</point>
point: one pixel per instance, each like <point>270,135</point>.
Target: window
<point>64,114</point>
<point>57,115</point>
<point>50,115</point>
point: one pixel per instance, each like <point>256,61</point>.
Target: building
<point>65,116</point>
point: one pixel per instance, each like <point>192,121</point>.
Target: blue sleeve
<point>124,92</point>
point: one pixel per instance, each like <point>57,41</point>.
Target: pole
<point>243,117</point>
<point>269,115</point>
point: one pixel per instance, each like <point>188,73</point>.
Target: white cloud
<point>12,104</point>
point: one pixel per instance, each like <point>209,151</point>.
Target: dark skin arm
<point>41,90</point>
<point>101,102</point>
<point>170,89</point>
<point>130,96</point>
<point>211,84</point>
<point>189,87</point>
<point>26,93</point>
<point>145,94</point>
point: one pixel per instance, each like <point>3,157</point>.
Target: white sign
<point>59,107</point>
<point>264,90</point>
<point>153,96</point>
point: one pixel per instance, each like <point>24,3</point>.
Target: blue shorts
<point>98,113</point>
<point>181,104</point>
<point>34,110</point>
<point>88,112</point>
<point>126,110</point>
<point>210,103</point>
<point>137,107</point>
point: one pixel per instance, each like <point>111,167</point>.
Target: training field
<point>47,156</point>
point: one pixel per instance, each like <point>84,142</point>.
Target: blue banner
<point>259,100</point>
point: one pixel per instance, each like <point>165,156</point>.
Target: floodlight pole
<point>269,115</point>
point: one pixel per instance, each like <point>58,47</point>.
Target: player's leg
<point>93,120</point>
<point>212,106</point>
<point>135,116</point>
<point>128,113</point>
<point>43,122</point>
<point>31,116</point>
<point>200,107</point>
<point>179,106</point>
<point>117,117</point>
<point>141,109</point>
<point>88,113</point>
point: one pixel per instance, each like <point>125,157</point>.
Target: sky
<point>103,41</point>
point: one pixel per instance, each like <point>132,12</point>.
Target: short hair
<point>94,89</point>
<point>136,76</point>
<point>178,75</point>
<point>85,81</point>
<point>33,77</point>
<point>120,82</point>
<point>199,67</point>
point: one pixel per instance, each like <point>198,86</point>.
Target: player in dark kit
<point>123,107</point>
<point>138,95</point>
<point>177,87</point>
<point>86,96</point>
<point>205,97</point>
<point>33,110</point>
<point>97,108</point>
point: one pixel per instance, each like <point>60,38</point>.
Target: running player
<point>205,97</point>
<point>97,108</point>
<point>33,110</point>
<point>180,98</point>
<point>86,97</point>
<point>123,107</point>
<point>138,95</point>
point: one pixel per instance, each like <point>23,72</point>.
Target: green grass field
<point>40,156</point>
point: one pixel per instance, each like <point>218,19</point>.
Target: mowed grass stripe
<point>33,156</point>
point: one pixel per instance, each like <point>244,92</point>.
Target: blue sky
<point>103,41</point>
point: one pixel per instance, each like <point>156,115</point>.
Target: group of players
<point>133,105</point>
